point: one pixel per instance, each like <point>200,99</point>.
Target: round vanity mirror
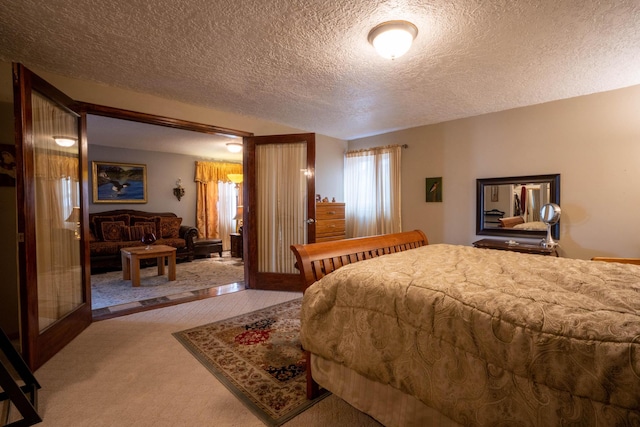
<point>550,215</point>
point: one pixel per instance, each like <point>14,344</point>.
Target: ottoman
<point>203,247</point>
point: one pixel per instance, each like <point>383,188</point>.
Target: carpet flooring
<point>109,289</point>
<point>259,358</point>
<point>131,371</point>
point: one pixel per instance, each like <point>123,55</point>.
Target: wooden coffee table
<point>131,261</point>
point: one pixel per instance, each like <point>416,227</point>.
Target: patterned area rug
<point>258,357</point>
<point>109,289</point>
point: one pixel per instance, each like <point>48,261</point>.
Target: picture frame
<point>7,165</point>
<point>119,182</point>
<point>434,189</point>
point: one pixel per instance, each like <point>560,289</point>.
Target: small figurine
<point>318,198</point>
<point>325,200</point>
<point>333,200</point>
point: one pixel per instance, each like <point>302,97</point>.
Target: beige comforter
<point>487,337</point>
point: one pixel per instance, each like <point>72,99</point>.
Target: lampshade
<point>236,178</point>
<point>238,213</point>
<point>74,216</point>
<point>234,147</point>
<point>392,39</point>
<point>65,141</point>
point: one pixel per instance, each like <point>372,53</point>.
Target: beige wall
<point>592,141</point>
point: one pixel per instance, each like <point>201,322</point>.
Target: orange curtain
<point>207,176</point>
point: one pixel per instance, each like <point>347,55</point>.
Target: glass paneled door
<point>280,188</point>
<point>54,283</point>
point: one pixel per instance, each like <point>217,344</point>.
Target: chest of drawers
<point>330,222</point>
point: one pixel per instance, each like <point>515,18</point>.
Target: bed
<point>455,335</point>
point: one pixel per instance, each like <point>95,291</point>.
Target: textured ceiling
<point>307,63</point>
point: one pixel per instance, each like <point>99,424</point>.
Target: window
<point>372,191</point>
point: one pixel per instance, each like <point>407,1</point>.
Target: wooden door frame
<point>37,346</point>
<point>152,119</point>
<point>56,340</point>
<point>271,281</point>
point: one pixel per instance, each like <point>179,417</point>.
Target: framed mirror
<point>511,206</point>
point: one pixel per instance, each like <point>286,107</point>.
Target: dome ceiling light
<point>65,141</point>
<point>392,39</point>
<point>234,147</point>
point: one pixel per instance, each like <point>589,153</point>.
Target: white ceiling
<point>307,63</point>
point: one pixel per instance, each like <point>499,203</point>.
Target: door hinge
<point>20,237</point>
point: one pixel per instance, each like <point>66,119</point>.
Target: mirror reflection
<point>511,206</point>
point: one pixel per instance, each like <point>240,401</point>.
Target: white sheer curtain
<point>226,212</point>
<point>56,194</point>
<point>533,205</point>
<point>281,204</point>
<point>372,187</point>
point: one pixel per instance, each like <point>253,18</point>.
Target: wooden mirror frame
<point>554,197</point>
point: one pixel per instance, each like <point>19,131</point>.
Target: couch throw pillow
<point>112,230</point>
<point>99,219</point>
<point>136,232</point>
<point>136,220</point>
<point>147,227</point>
<point>170,227</point>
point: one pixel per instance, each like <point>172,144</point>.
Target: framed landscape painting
<point>119,182</point>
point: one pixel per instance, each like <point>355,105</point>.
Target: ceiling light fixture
<point>65,141</point>
<point>392,39</point>
<point>234,147</point>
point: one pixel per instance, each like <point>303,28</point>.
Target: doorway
<point>168,152</point>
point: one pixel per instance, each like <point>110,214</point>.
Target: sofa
<point>113,230</point>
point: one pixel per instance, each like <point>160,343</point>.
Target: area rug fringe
<point>258,357</point>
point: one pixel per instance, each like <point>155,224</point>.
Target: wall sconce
<point>179,190</point>
<point>74,216</point>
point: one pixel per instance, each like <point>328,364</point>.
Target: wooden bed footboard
<point>316,260</point>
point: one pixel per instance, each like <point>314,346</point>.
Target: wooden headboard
<point>316,260</point>
<point>510,221</point>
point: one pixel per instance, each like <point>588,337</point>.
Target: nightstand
<point>236,245</point>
